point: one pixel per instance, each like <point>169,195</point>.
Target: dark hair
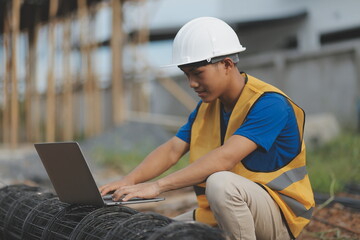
<point>234,57</point>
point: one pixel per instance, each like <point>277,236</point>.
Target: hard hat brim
<point>201,60</point>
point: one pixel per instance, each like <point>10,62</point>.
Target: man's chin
<point>207,100</point>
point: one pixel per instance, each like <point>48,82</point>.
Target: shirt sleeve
<point>184,132</point>
<point>265,120</point>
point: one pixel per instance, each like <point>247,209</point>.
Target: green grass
<point>125,161</point>
<point>337,162</point>
<point>122,161</point>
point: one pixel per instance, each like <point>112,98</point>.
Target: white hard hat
<point>203,39</point>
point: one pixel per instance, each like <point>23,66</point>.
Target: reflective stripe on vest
<point>298,209</point>
<point>284,181</point>
<point>287,178</point>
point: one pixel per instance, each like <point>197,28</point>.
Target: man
<point>247,156</point>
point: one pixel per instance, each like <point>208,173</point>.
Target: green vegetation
<point>330,167</point>
<point>122,161</point>
<point>125,161</point>
<point>336,163</point>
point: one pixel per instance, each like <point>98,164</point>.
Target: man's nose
<point>193,83</point>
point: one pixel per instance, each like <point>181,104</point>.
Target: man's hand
<point>142,190</point>
<point>113,186</point>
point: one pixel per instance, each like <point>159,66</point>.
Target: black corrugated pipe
<point>32,214</point>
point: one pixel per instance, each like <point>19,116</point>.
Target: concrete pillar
<point>308,38</point>
<point>357,67</point>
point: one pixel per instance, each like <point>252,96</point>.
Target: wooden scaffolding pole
<point>50,93</point>
<point>6,94</point>
<point>95,89</point>
<point>179,93</point>
<point>68,118</point>
<point>81,15</point>
<point>116,48</point>
<point>96,104</point>
<point>14,118</point>
<point>32,102</point>
<point>90,85</point>
<point>139,95</point>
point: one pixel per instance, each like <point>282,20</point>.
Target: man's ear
<point>228,63</point>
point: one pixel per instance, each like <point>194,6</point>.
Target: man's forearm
<point>152,166</point>
<point>223,158</point>
<point>195,173</point>
<point>157,162</point>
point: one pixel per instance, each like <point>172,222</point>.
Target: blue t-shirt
<point>271,124</point>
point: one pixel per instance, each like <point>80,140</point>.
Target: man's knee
<point>218,184</point>
<point>214,180</point>
<point>221,185</point>
<point>215,187</point>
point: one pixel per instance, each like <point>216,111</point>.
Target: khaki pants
<point>243,209</point>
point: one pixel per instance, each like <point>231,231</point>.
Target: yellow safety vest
<point>289,186</point>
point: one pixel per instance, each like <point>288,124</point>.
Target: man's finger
<point>105,190</point>
<point>102,191</point>
<point>128,196</point>
<point>119,194</point>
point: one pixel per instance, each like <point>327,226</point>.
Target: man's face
<point>207,81</point>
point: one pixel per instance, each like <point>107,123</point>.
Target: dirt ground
<point>331,222</point>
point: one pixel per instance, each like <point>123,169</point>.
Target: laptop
<point>71,177</point>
